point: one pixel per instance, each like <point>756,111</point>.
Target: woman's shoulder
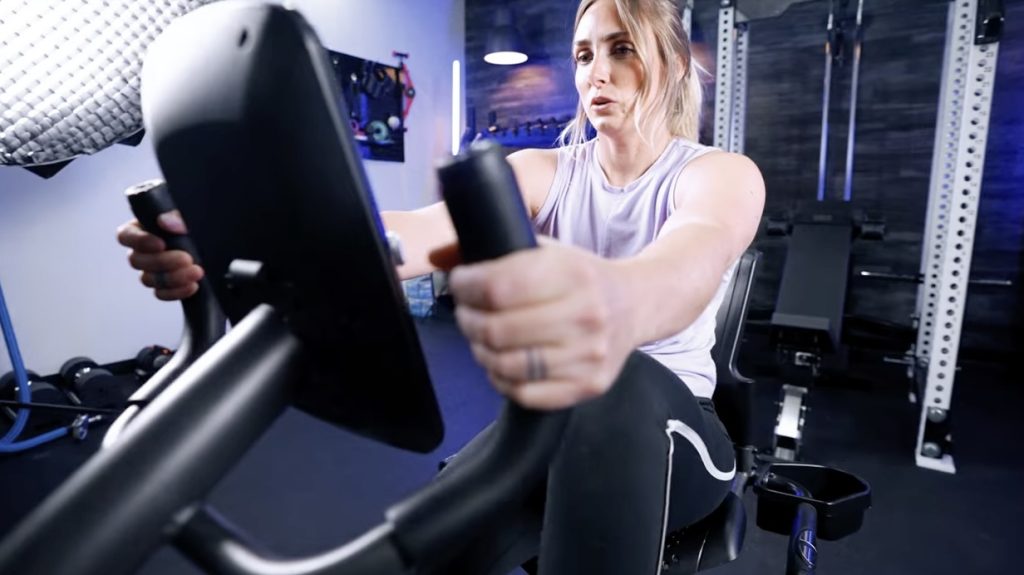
<point>693,148</point>
<point>534,157</point>
<point>711,159</point>
<point>535,171</point>
<point>717,169</point>
<point>699,157</point>
<point>534,163</point>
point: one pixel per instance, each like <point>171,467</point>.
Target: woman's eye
<point>622,50</point>
<point>583,57</point>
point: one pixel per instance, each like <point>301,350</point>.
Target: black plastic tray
<point>840,499</point>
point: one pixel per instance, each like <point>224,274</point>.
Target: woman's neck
<point>624,159</point>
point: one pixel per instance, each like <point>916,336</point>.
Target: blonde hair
<point>678,103</point>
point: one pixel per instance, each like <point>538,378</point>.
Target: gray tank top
<point>584,210</point>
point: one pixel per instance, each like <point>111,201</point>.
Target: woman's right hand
<point>172,274</point>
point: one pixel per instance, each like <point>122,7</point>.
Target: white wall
<point>66,281</point>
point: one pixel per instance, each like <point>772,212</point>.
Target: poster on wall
<point>376,98</point>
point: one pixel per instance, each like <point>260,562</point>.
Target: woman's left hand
<point>550,325</point>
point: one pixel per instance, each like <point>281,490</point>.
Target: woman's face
<point>608,70</point>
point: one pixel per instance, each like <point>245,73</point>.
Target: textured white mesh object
<point>69,73</point>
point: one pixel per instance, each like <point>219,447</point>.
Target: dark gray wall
<point>899,90</point>
<point>540,88</point>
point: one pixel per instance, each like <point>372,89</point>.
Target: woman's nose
<point>599,71</point>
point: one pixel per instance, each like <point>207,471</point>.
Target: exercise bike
<point>261,116</point>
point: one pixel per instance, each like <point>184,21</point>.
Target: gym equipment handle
<point>204,320</point>
<point>485,204</point>
<point>148,201</point>
<point>203,317</point>
<point>487,210</point>
<point>429,527</point>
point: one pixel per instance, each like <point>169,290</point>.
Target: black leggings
<point>645,447</point>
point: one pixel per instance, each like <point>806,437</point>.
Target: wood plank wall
<point>899,91</point>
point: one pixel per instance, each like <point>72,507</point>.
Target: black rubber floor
<point>307,486</point>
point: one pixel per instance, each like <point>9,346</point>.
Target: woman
<point>650,225</point>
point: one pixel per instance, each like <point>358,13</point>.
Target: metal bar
<point>737,131</point>
<point>58,407</point>
<point>947,130</point>
<point>688,18</point>
<point>115,510</point>
<point>992,282</point>
<point>907,278</point>
<point>802,556</point>
<point>851,137</point>
<point>952,263</point>
<point>910,278</point>
<point>826,99</point>
<point>725,73</point>
<point>802,551</point>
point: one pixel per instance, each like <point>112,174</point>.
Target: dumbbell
<point>150,359</point>
<point>40,392</point>
<point>9,390</point>
<point>75,375</point>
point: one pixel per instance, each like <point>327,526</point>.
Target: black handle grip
<point>204,320</point>
<point>485,204</point>
<point>487,209</point>
<point>150,199</point>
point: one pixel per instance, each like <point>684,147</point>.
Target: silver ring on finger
<point>536,369</point>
